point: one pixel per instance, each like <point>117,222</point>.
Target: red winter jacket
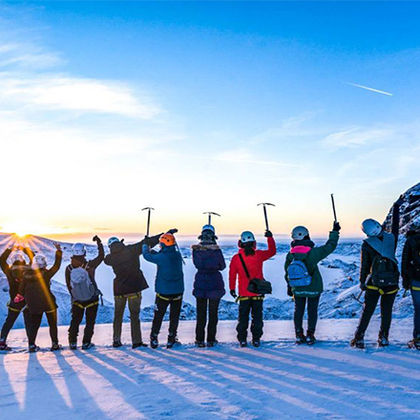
<point>254,264</point>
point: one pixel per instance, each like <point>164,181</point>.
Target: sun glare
<point>22,230</point>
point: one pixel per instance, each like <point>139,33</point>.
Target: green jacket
<point>311,258</point>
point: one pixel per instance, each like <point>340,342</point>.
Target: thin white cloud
<point>356,137</point>
<point>383,92</point>
<point>55,92</point>
<point>242,156</point>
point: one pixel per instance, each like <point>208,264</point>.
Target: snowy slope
<point>277,381</point>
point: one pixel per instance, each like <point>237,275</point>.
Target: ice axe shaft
<point>149,211</point>
<point>333,206</point>
<point>265,213</point>
<point>211,213</point>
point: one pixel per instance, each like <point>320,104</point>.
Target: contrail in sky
<point>370,89</point>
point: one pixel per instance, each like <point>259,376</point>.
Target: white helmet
<point>371,227</point>
<point>247,237</point>
<point>78,250</point>
<point>39,261</point>
<point>299,232</point>
<point>113,240</point>
<point>18,256</point>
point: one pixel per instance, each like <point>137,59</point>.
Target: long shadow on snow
<point>6,391</point>
<point>291,405</point>
<point>142,389</point>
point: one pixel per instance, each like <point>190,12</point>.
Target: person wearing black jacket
<point>379,245</point>
<point>80,306</point>
<point>129,282</point>
<point>14,274</point>
<point>36,289</point>
<point>410,272</point>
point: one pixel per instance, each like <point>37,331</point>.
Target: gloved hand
<point>233,294</point>
<point>173,231</point>
<point>289,291</point>
<point>336,227</point>
<point>96,238</point>
<point>57,246</point>
<point>268,234</point>
<point>18,298</point>
<point>363,286</point>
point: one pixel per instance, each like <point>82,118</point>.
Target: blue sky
<point>207,106</point>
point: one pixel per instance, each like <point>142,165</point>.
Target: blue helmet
<point>113,240</point>
<point>247,237</point>
<point>209,227</point>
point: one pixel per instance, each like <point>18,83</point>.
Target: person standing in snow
<point>169,286</point>
<point>245,266</point>
<point>410,272</point>
<point>84,292</point>
<point>14,274</point>
<point>304,280</point>
<point>129,282</point>
<point>36,289</point>
<point>379,275</point>
<point>208,285</point>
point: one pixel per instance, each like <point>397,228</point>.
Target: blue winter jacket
<point>209,261</point>
<point>169,276</point>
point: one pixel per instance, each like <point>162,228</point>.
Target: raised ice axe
<point>265,212</point>
<point>149,210</point>
<point>333,206</point>
<point>211,213</point>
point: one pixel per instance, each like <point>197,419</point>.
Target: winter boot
<point>358,342</point>
<point>4,346</point>
<point>310,338</point>
<point>33,348</point>
<point>73,346</point>
<point>87,346</point>
<point>137,345</point>
<point>200,344</point>
<point>256,342</point>
<point>414,343</point>
<point>383,340</point>
<point>300,338</point>
<point>117,343</point>
<point>211,343</point>
<point>243,343</point>
<point>154,343</point>
<point>56,347</point>
<point>172,340</point>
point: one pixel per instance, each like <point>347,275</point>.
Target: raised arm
<point>271,244</point>
<point>101,253</point>
<point>320,252</point>
<point>395,224</point>
<point>29,253</point>
<point>3,260</point>
<point>152,241</point>
<point>57,262</point>
<point>149,255</point>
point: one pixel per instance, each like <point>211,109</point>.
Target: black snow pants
<point>371,300</point>
<point>14,309</point>
<point>77,312</point>
<point>213,309</point>
<point>36,322</point>
<point>255,307</point>
<point>161,305</point>
<point>300,303</point>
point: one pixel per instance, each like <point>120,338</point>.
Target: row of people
<point>30,281</point>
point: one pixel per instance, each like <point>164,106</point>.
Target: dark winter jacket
<point>89,266</point>
<point>169,276</point>
<point>125,261</point>
<point>14,273</point>
<point>209,261</point>
<point>368,253</point>
<point>311,256</point>
<point>410,264</point>
<point>254,265</point>
<point>36,287</point>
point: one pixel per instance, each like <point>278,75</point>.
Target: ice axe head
<point>211,213</point>
<point>265,212</point>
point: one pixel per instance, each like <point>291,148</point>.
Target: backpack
<point>298,274</point>
<point>82,288</point>
<point>384,272</point>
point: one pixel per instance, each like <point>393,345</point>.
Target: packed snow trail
<point>278,380</point>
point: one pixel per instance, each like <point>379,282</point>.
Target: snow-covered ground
<point>277,381</point>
